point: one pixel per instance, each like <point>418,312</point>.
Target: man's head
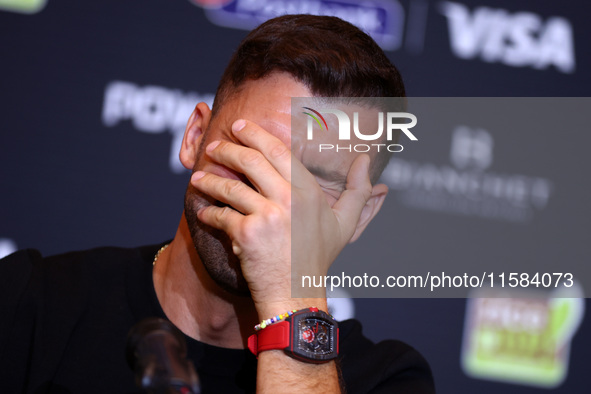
<point>331,57</point>
<point>290,56</point>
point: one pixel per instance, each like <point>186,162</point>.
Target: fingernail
<point>238,125</point>
<point>197,175</point>
<point>212,146</point>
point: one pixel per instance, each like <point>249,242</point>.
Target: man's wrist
<point>308,335</point>
<point>268,310</point>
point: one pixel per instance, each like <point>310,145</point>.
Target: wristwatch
<point>308,335</point>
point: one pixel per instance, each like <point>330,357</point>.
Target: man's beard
<point>214,247</point>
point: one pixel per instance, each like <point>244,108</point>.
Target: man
<point>257,203</point>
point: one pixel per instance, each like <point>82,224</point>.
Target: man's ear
<point>370,210</point>
<point>196,125</point>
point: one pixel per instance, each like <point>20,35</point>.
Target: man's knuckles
<point>215,216</point>
<point>233,189</point>
<point>222,213</point>
<point>254,230</point>
<point>275,216</point>
<point>279,152</point>
<point>250,158</point>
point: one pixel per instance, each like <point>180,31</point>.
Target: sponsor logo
<point>22,6</point>
<point>383,20</point>
<point>210,3</point>
<point>392,120</point>
<point>152,110</point>
<point>7,246</point>
<point>520,39</point>
<point>520,340</point>
<point>467,187</point>
<point>471,148</point>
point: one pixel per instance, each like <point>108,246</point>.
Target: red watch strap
<point>275,336</point>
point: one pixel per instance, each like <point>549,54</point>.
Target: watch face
<point>316,337</point>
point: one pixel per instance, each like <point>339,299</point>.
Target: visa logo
<point>519,39</point>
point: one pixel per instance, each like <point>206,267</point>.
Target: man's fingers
<point>357,193</point>
<point>229,191</point>
<point>222,218</point>
<point>276,151</point>
<point>251,163</point>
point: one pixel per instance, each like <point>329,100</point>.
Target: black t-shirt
<point>64,322</point>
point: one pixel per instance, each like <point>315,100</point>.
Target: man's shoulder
<point>386,366</point>
<point>61,311</point>
<point>28,278</point>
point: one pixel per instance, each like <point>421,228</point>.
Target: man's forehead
<point>266,102</point>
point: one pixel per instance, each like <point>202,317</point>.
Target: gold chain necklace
<point>159,253</point>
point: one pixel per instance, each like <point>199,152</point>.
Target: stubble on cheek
<point>213,246</point>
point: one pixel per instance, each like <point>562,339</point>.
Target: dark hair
<point>331,57</point>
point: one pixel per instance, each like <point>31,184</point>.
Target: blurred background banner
<point>94,97</point>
